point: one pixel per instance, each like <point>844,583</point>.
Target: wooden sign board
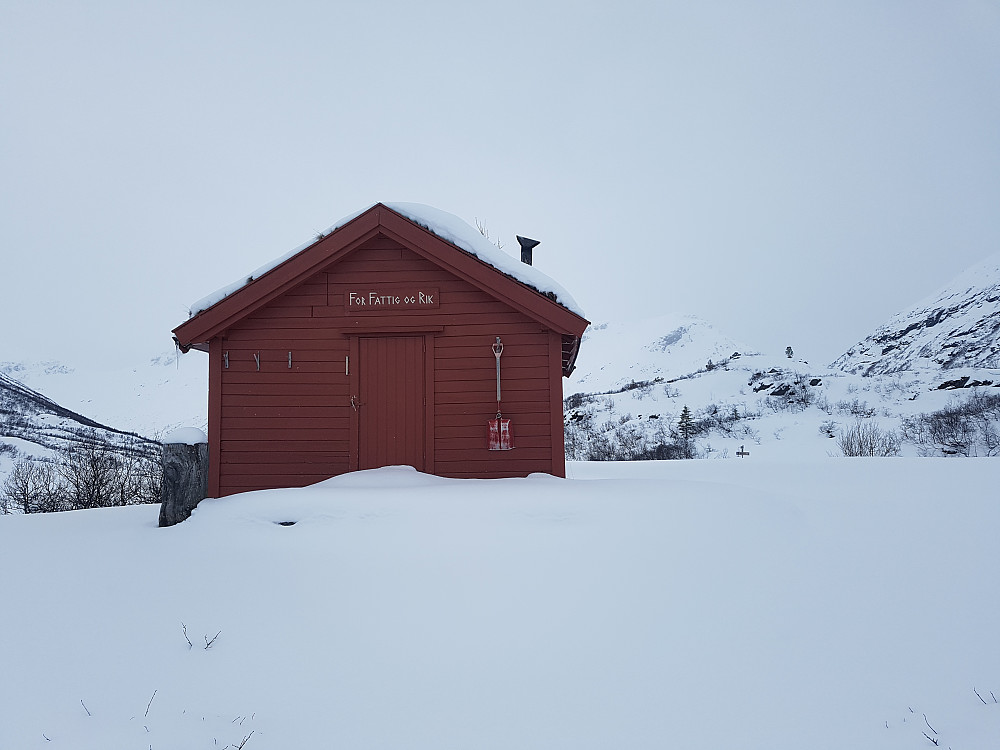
<point>390,298</point>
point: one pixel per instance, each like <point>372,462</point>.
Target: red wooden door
<point>391,412</point>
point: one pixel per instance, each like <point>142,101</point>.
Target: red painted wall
<point>284,426</point>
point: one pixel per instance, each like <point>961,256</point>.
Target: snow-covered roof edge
<point>440,223</point>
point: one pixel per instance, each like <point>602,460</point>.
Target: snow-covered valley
<point>787,597</point>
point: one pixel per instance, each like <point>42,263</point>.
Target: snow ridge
<point>959,326</point>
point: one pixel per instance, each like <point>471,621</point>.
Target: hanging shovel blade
<point>500,437</point>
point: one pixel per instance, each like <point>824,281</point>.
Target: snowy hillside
<point>634,380</point>
<point>614,354</point>
<point>48,409</point>
<point>153,397</point>
<point>34,426</point>
<point>691,604</point>
<point>956,327</point>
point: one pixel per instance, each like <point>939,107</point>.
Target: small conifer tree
<point>686,426</point>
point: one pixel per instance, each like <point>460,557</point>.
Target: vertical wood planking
<point>430,353</point>
<point>391,418</point>
<point>556,405</point>
<point>215,353</point>
<point>354,459</point>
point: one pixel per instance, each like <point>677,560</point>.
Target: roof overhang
<point>381,220</point>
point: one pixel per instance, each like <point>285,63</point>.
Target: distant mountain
<point>120,409</point>
<point>615,354</point>
<point>156,395</point>
<point>635,379</point>
<point>33,425</point>
<point>957,327</point>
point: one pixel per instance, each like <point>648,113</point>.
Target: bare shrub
<point>32,487</point>
<point>89,475</point>
<point>970,427</point>
<point>823,404</point>
<point>599,448</point>
<point>855,408</point>
<point>866,438</point>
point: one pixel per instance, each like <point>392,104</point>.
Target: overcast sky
<point>793,172</point>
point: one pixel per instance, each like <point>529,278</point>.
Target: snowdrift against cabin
<point>380,344</point>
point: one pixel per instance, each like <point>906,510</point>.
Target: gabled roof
<point>442,238</point>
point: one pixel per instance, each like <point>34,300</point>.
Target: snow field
<point>697,604</point>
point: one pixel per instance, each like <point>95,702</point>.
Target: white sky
<point>793,172</point>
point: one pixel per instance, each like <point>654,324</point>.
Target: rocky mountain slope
<point>117,412</point>
<point>35,426</point>
<point>771,406</point>
<point>159,393</point>
<point>957,327</point>
<point>928,381</point>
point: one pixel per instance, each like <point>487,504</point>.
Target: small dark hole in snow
<point>286,523</point>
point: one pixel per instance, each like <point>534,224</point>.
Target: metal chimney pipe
<point>527,246</point>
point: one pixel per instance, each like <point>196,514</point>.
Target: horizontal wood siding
<point>466,400</point>
<point>283,426</point>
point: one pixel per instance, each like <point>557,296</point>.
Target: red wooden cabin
<point>374,346</point>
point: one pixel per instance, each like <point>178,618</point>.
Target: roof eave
<point>198,330</point>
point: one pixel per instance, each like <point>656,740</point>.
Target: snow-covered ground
<point>754,603</point>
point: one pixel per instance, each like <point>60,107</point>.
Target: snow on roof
<point>446,226</point>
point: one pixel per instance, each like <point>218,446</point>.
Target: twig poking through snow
<point>929,725</point>
<point>980,697</point>
<point>184,628</point>
<point>150,703</point>
<point>929,737</point>
<point>85,707</point>
<point>208,643</point>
